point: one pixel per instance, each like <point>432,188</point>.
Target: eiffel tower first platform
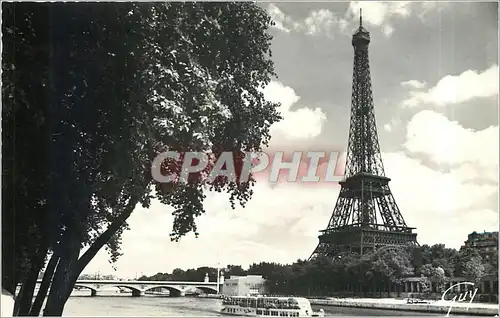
<point>366,216</point>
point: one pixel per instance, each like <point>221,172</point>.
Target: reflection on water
<point>115,304</point>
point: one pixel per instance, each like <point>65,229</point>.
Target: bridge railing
<point>141,282</point>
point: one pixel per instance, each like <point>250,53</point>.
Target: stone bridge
<point>138,288</point>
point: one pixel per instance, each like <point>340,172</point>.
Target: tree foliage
<point>435,275</point>
<point>91,100</point>
<point>471,264</point>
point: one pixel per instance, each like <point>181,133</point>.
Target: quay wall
<point>441,307</point>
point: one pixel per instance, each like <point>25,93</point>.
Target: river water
<point>125,305</point>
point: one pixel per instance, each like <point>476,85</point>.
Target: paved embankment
<point>400,304</point>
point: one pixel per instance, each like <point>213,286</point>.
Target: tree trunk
<point>25,298</point>
<point>62,277</point>
<point>44,286</point>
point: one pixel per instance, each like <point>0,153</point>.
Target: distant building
<point>244,285</point>
<point>485,243</point>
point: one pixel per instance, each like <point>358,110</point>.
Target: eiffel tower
<point>366,216</point>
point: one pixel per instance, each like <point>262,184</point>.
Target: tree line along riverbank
<point>422,271</point>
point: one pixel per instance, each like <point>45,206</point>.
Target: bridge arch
<point>175,292</point>
<point>135,291</point>
<point>93,289</point>
<point>207,290</point>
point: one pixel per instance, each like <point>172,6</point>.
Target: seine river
<point>125,305</point>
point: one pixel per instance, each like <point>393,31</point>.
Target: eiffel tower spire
<point>366,216</point>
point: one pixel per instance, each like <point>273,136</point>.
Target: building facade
<point>244,285</point>
<point>485,243</point>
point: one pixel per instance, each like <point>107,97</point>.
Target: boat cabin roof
<point>298,299</point>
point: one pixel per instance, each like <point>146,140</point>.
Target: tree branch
<point>105,236</point>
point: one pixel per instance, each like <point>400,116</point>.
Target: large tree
<point>389,266</point>
<point>108,87</point>
<point>26,93</point>
<point>471,265</point>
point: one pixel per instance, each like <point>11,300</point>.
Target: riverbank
<point>440,307</point>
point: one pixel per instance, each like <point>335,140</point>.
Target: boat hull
<point>241,312</point>
<point>240,315</point>
<point>246,312</point>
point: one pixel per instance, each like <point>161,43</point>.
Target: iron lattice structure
<point>366,216</point>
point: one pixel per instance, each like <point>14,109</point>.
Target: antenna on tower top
<point>360,17</point>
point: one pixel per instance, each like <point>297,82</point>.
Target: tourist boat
<point>263,306</point>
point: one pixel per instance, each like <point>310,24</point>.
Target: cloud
<point>377,13</point>
<point>453,190</point>
<point>444,194</point>
<point>413,84</point>
<point>430,7</point>
<point>446,142</point>
<point>383,14</point>
<point>458,89</point>
<point>280,19</point>
<point>318,22</point>
<point>298,124</point>
<point>380,13</point>
<point>387,30</point>
<point>443,206</point>
<point>323,22</point>
<point>390,126</point>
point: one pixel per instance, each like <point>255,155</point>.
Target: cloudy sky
<point>434,70</point>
